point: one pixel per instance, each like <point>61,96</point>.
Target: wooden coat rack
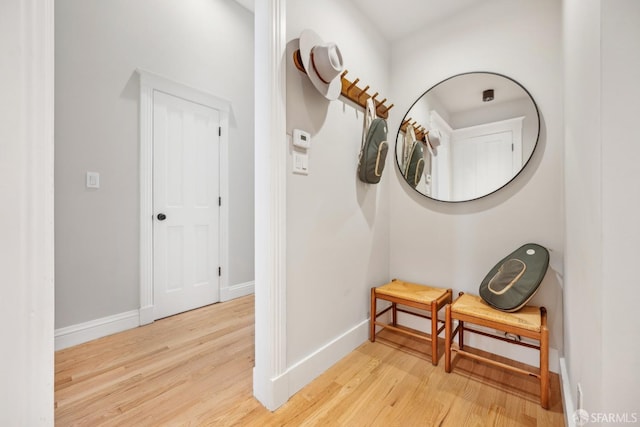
<point>420,131</point>
<point>351,90</point>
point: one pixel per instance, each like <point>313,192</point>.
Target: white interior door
<point>482,164</point>
<point>186,250</point>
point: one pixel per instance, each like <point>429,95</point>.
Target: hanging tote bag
<point>374,147</point>
<point>414,161</point>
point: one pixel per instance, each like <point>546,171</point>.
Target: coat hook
<point>344,73</point>
<point>364,92</point>
<point>352,85</point>
<point>374,96</point>
<point>384,109</point>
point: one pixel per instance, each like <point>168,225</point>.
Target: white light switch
<point>300,163</point>
<point>93,180</point>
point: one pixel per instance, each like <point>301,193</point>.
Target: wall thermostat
<point>301,138</point>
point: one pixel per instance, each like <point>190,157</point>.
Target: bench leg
<point>447,338</point>
<point>544,368</point>
<point>394,314</point>
<point>372,317</point>
<point>434,333</point>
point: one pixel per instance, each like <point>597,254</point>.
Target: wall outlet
<point>579,398</point>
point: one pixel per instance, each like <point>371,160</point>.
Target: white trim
<point>567,396</point>
<point>150,82</point>
<point>27,214</point>
<point>309,368</point>
<point>165,84</point>
<point>228,293</point>
<point>270,203</point>
<point>94,329</point>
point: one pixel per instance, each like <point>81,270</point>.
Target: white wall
<point>455,245</point>
<point>206,44</point>
<point>26,213</point>
<point>583,199</point>
<point>337,226</point>
<point>620,204</point>
<point>602,45</point>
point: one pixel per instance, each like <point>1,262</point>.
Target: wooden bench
<point>530,322</point>
<point>413,295</point>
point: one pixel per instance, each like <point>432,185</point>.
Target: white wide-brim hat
<point>433,141</point>
<point>323,64</point>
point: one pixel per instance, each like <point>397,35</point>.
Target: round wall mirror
<point>467,136</point>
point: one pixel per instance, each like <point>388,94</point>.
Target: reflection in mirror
<point>467,136</point>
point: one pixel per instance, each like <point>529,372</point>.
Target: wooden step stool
<point>530,322</point>
<point>411,295</point>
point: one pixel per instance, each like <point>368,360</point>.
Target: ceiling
<point>398,18</point>
<point>464,93</point>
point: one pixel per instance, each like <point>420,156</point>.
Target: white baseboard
<point>236,291</point>
<point>273,393</point>
<point>146,315</point>
<point>309,368</point>
<point>567,396</point>
<point>98,328</point>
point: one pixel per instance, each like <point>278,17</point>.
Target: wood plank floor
<point>195,369</point>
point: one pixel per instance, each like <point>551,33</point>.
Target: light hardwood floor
<point>196,369</point>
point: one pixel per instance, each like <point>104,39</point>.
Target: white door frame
<point>150,82</point>
<point>270,384</point>
<point>26,173</point>
<point>270,336</point>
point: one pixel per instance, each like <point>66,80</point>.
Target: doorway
<point>104,236</point>
<point>183,203</point>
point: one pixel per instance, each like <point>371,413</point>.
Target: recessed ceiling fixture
<point>487,95</point>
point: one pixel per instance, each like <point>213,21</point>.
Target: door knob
<point>161,217</point>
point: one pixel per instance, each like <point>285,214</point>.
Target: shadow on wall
<point>367,199</point>
<point>311,113</point>
<point>131,90</point>
<point>550,295</point>
<point>316,109</point>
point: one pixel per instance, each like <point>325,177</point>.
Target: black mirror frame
<point>535,145</point>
